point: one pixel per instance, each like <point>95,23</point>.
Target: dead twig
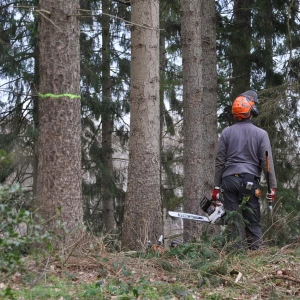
<point>286,277</point>
<point>41,11</point>
<point>116,17</point>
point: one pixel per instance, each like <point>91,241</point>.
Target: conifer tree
<point>143,211</point>
<point>107,123</point>
<point>59,153</point>
<point>18,56</point>
<point>199,106</point>
<point>171,104</point>
<point>241,46</point>
<point>104,100</point>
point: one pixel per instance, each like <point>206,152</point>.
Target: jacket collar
<point>245,121</point>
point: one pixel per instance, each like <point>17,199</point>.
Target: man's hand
<point>271,196</point>
<point>215,194</point>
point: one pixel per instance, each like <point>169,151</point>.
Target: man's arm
<point>266,146</point>
<point>220,161</point>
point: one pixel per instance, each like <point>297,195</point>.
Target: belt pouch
<point>246,187</point>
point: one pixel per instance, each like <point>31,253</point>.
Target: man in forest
<point>241,157</point>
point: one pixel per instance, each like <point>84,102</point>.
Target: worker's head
<point>244,106</point>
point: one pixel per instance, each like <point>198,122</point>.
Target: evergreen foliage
<point>18,29</point>
<point>171,104</point>
<point>95,106</point>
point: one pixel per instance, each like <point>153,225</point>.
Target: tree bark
<point>35,119</point>
<point>59,158</point>
<point>142,211</point>
<point>199,105</point>
<point>210,100</point>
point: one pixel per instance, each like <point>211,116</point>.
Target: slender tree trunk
<point>268,13</point>
<point>35,104</point>
<point>200,106</point>
<point>163,66</point>
<point>107,124</point>
<point>35,117</point>
<point>59,165</point>
<point>241,46</point>
<point>142,212</point>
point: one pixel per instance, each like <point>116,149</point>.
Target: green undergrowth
<point>115,289</point>
<point>189,271</point>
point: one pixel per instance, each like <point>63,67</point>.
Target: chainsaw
<point>214,211</point>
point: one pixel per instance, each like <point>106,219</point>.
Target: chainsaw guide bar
<point>213,218</point>
<point>182,215</point>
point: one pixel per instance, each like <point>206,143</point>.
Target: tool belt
<point>248,177</point>
<point>247,185</point>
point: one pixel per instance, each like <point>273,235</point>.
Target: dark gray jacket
<point>242,149</point>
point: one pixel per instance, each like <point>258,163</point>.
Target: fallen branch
<point>286,277</point>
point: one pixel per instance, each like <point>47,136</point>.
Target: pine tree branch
<point>116,17</point>
<point>128,3</point>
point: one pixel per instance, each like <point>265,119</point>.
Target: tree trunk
<point>268,13</point>
<point>162,109</point>
<point>107,125</point>
<point>241,47</point>
<point>59,159</point>
<point>200,106</point>
<point>210,100</point>
<point>142,211</point>
<point>35,118</point>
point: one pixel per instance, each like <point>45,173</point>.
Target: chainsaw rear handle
<point>268,172</point>
<point>268,178</point>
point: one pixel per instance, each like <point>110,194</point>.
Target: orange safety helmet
<point>244,105</point>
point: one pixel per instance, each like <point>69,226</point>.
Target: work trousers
<point>246,227</point>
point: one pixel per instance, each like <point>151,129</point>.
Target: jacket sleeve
<point>266,146</point>
<point>220,160</point>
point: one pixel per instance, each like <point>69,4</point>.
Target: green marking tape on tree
<point>49,95</point>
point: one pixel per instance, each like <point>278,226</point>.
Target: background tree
<point>241,46</point>
<point>18,58</point>
<point>104,85</point>
<point>171,104</point>
<point>107,123</point>
<point>59,155</point>
<point>143,211</point>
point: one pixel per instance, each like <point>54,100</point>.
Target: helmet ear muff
<point>254,111</point>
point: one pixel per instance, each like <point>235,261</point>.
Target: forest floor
<point>189,271</point>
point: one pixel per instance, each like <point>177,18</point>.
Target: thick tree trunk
<point>59,166</point>
<point>107,125</point>
<point>200,106</point>
<point>210,100</point>
<point>142,213</point>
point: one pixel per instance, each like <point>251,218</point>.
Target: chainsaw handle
<point>268,178</point>
<point>268,172</point>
